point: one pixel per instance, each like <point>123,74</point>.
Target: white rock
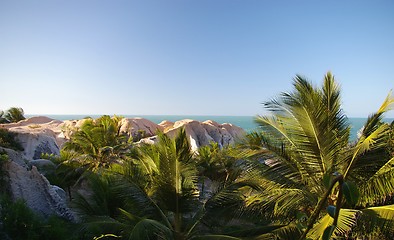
<point>35,189</point>
<point>203,133</point>
<point>148,140</point>
<point>166,125</point>
<point>35,144</point>
<point>135,126</point>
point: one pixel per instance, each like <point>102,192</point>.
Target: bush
<point>7,140</point>
<point>21,223</point>
<point>13,114</point>
<point>3,159</point>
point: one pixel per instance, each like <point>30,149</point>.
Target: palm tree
<point>2,118</point>
<point>14,114</point>
<point>98,142</point>
<point>162,197</point>
<point>313,165</point>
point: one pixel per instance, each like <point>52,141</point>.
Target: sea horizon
<point>245,122</point>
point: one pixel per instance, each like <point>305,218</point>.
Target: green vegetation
<point>7,140</point>
<point>157,193</point>
<point>3,160</point>
<point>12,115</point>
<point>99,143</point>
<point>299,177</point>
<point>21,223</point>
<point>309,135</point>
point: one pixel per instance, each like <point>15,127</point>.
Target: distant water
<point>245,122</point>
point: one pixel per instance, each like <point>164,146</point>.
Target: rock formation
<point>25,182</point>
<point>139,126</point>
<point>203,133</point>
<point>39,194</point>
<point>40,135</point>
<point>37,135</point>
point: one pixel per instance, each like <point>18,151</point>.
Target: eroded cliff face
<point>39,194</point>
<point>40,135</point>
<point>203,133</point>
<point>25,182</point>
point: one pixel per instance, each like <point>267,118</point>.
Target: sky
<point>184,57</point>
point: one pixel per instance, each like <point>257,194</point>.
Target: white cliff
<point>203,133</point>
<point>40,135</point>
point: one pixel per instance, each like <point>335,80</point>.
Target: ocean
<point>245,122</point>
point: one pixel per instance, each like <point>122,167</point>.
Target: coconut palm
<point>14,114</point>
<point>98,142</point>
<point>313,165</point>
<point>163,198</point>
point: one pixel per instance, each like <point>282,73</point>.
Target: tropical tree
<point>67,172</point>
<point>2,119</point>
<point>98,143</point>
<point>13,114</point>
<point>312,164</point>
<point>159,195</point>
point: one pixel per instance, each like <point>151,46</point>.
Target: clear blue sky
<point>185,57</point>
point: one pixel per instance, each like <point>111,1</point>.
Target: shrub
<point>3,159</point>
<point>21,223</point>
<point>7,140</point>
<point>13,114</point>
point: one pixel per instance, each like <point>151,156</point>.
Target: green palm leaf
<point>379,186</point>
<point>150,229</point>
<point>373,135</point>
<point>377,220</point>
<point>308,135</point>
<point>346,221</point>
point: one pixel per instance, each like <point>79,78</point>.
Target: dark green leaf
<point>327,180</point>
<point>328,232</point>
<point>351,192</point>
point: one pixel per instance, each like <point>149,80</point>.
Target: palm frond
<point>376,139</point>
<point>290,231</point>
<point>98,225</point>
<point>379,186</point>
<point>175,185</point>
<point>313,126</point>
<point>377,220</point>
<point>279,202</point>
<point>150,229</point>
<point>376,118</point>
<point>346,221</point>
<point>134,186</point>
<point>101,200</point>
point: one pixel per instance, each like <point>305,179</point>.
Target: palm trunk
<point>320,206</point>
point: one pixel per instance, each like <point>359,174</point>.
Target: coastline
<point>244,122</point>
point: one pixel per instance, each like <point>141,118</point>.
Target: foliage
<point>309,135</point>
<point>98,143</point>
<point>67,172</point>
<point>2,119</point>
<point>299,177</point>
<point>159,194</point>
<point>3,160</point>
<point>12,115</point>
<point>20,222</point>
<point>7,140</point>
<point>377,223</point>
